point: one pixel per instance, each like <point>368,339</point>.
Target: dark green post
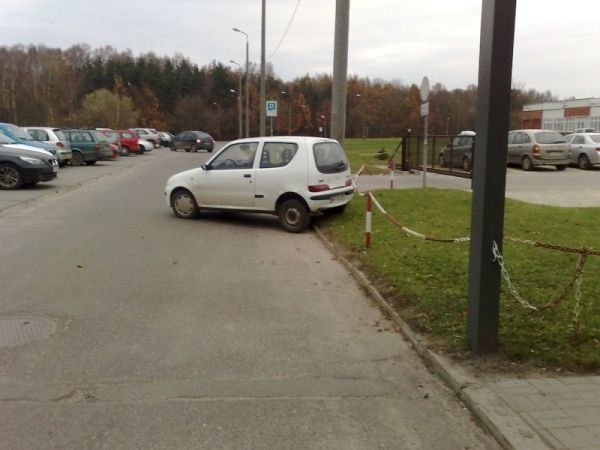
<point>489,171</point>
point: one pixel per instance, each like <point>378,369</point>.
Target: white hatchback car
<point>291,177</point>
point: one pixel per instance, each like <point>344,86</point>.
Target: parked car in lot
<point>88,146</point>
<point>21,136</point>
<point>531,148</point>
<point>54,137</point>
<point>165,138</point>
<point>192,141</point>
<point>22,165</point>
<point>460,151</point>
<point>290,177</point>
<point>149,134</point>
<point>145,146</point>
<point>585,149</point>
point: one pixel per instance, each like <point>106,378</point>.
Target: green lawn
<point>427,281</point>
<point>364,152</point>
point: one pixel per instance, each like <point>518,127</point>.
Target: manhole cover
<point>20,330</point>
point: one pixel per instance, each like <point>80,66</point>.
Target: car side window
<point>578,140</point>
<point>236,156</point>
<point>277,154</point>
<point>525,139</point>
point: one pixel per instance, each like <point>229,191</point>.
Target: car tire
<point>10,177</point>
<point>194,149</point>
<point>466,164</point>
<point>583,162</point>
<point>90,163</point>
<point>443,161</point>
<point>77,159</point>
<point>173,149</point>
<point>125,151</point>
<point>526,163</point>
<point>187,150</point>
<point>293,216</point>
<point>561,167</point>
<point>184,204</point>
<point>142,149</point>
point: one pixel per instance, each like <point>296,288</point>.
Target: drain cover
<point>20,330</point>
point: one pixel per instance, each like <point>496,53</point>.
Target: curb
<point>508,428</point>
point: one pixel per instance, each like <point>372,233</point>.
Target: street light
<point>247,89</point>
<point>324,125</point>
<point>239,100</point>
<point>289,97</point>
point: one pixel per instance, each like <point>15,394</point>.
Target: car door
<point>228,181</point>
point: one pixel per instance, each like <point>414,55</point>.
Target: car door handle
<point>247,175</point>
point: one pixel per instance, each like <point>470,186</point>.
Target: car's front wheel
<point>293,216</point>
<point>184,204</point>
<point>10,177</point>
<point>442,160</point>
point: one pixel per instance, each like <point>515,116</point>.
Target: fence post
<point>392,167</point>
<point>369,207</point>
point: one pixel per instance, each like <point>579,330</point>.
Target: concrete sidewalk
<point>549,412</point>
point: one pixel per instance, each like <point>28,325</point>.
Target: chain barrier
<point>573,285</point>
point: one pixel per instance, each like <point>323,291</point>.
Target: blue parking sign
<point>271,108</point>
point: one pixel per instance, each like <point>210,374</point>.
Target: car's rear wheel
<point>173,149</point>
<point>583,162</point>
<point>184,204</point>
<point>293,216</point>
<point>442,160</point>
<point>77,159</point>
<point>526,163</point>
<point>10,177</point>
<point>466,163</point>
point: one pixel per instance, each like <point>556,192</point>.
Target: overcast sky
<point>556,43</point>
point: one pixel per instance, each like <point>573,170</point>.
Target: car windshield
<point>4,139</point>
<point>19,132</point>
<point>549,137</point>
<point>330,157</point>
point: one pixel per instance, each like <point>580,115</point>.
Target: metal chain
<point>500,260</point>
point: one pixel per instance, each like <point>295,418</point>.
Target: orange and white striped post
<point>391,167</point>
<point>369,213</point>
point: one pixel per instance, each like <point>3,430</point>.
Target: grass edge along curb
<point>507,427</point>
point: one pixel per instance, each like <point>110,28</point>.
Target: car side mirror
<point>205,167</point>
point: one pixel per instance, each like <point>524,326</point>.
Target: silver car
<point>585,149</point>
<point>534,147</point>
<point>56,138</point>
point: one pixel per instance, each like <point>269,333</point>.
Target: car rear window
<point>330,157</point>
<point>549,137</point>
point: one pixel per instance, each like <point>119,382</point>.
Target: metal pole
<point>489,172</point>
<point>247,82</point>
<point>263,95</point>
<point>340,71</point>
<point>425,154</point>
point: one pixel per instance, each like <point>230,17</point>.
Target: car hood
<point>24,150</point>
<point>183,177</point>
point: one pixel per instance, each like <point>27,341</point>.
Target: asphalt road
<point>122,326</point>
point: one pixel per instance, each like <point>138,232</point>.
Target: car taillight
<point>318,187</point>
<point>536,149</point>
<point>349,182</point>
<point>60,144</point>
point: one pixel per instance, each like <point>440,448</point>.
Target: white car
<point>291,177</point>
<point>145,146</point>
<point>585,149</point>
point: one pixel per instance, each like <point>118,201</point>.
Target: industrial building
<point>564,116</point>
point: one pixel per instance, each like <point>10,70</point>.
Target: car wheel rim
<point>184,204</point>
<point>9,177</point>
<point>293,216</point>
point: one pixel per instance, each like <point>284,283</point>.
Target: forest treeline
<point>84,87</point>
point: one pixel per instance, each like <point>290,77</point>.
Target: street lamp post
<point>239,100</point>
<point>324,125</point>
<point>247,83</point>
<point>289,97</point>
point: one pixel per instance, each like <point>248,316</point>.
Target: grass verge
<point>426,282</point>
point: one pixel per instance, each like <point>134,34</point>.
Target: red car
<point>128,141</point>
